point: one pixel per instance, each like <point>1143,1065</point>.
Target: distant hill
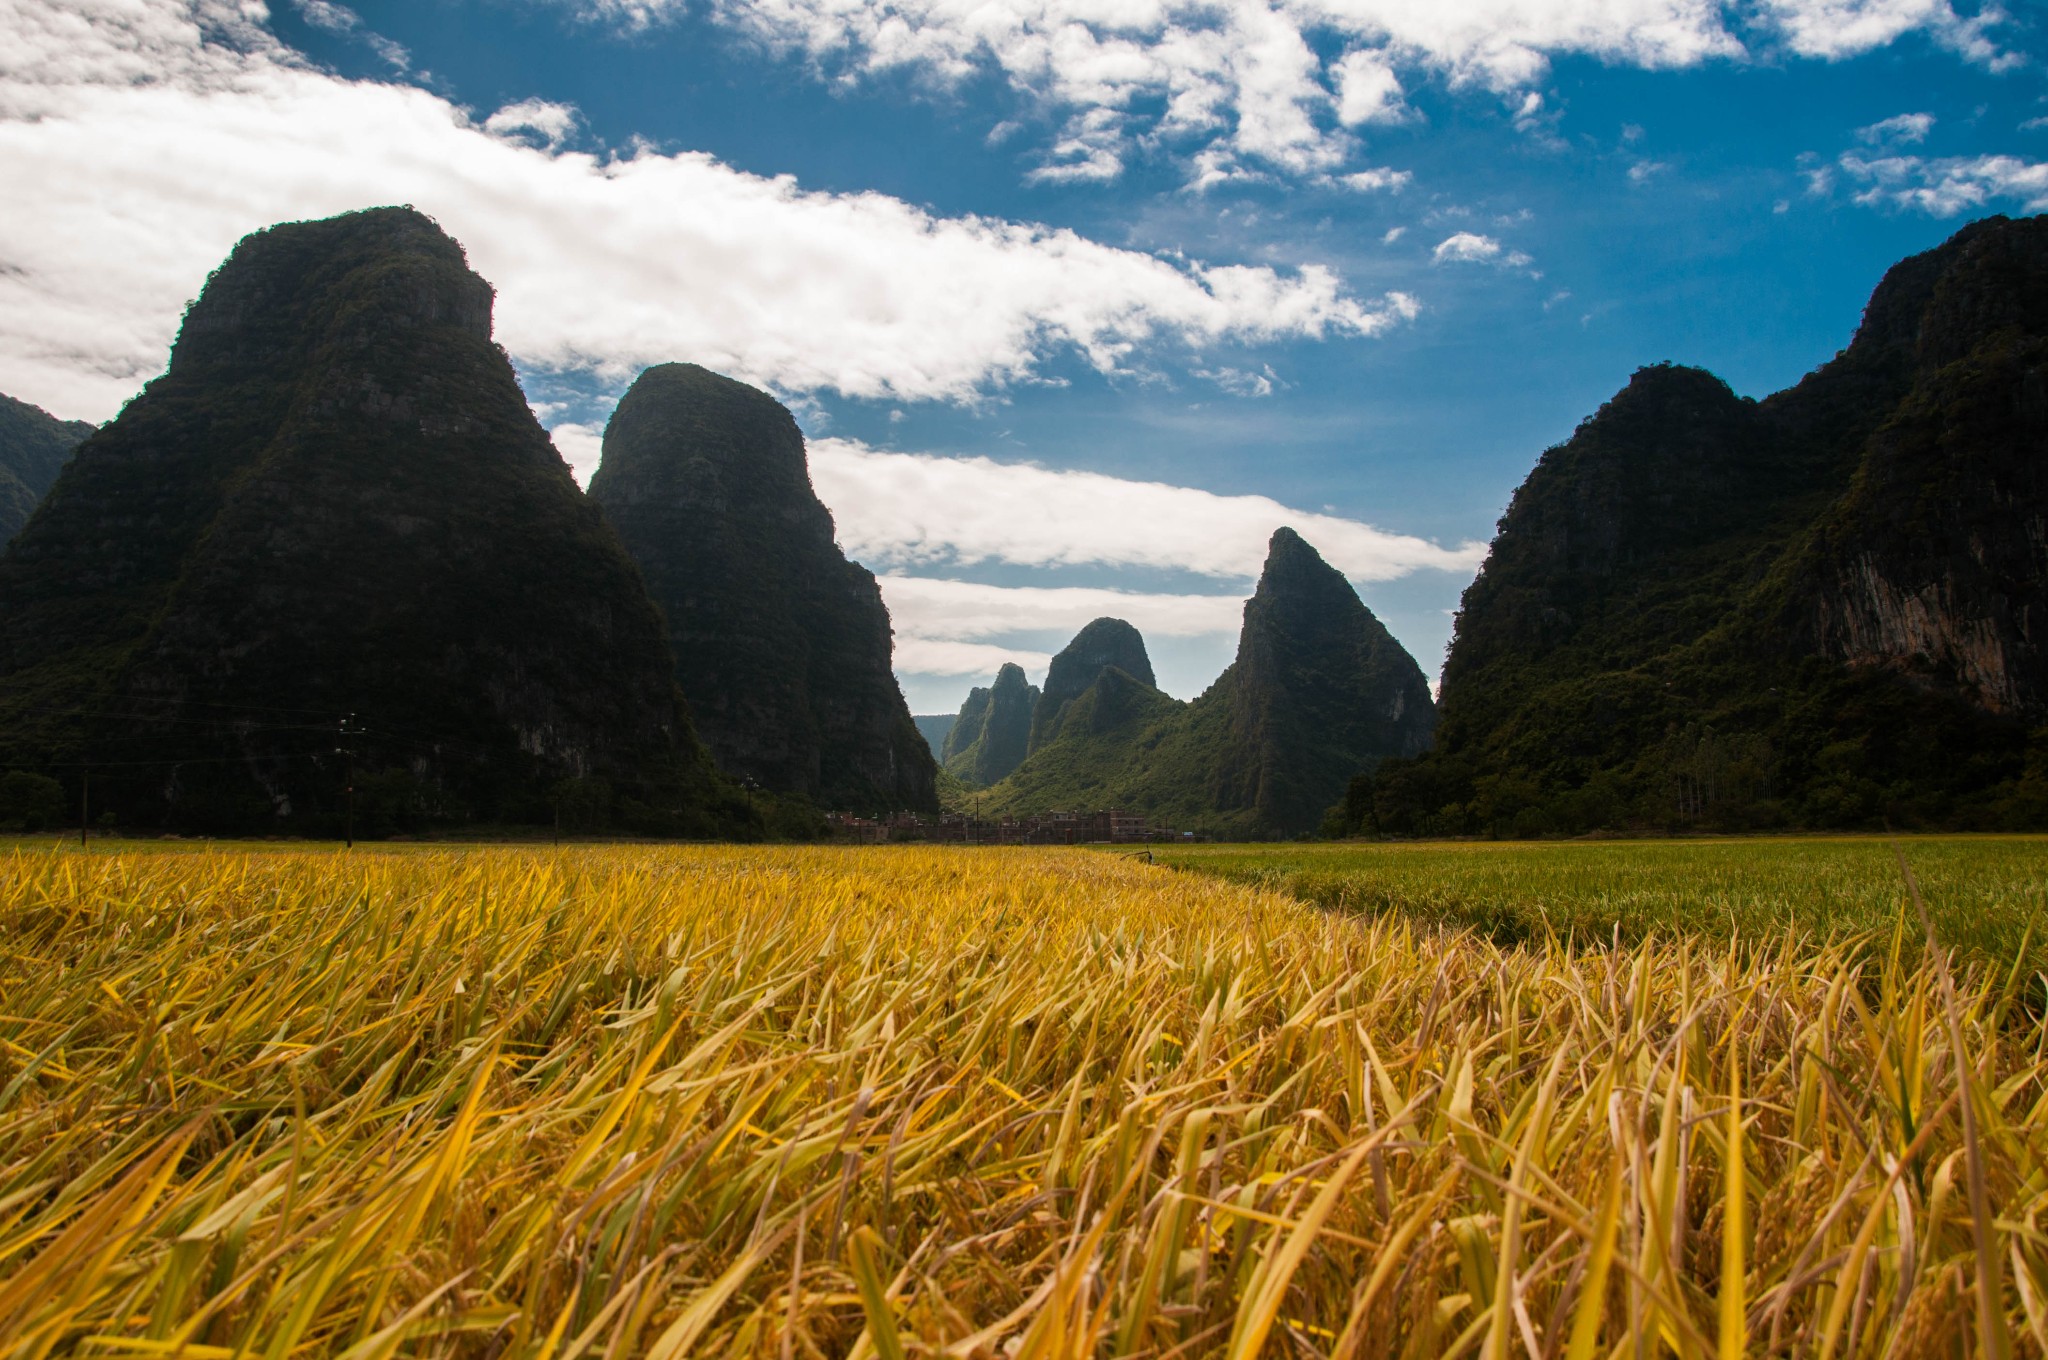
<point>1103,644</point>
<point>934,728</point>
<point>992,733</point>
<point>1827,608</point>
<point>34,446</point>
<point>337,502</point>
<point>782,646</point>
<point>1319,687</point>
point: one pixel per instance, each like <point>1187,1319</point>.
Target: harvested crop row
<point>785,1102</point>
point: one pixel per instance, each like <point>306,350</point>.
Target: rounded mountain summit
<point>782,646</point>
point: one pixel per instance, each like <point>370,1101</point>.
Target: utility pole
<point>349,782</point>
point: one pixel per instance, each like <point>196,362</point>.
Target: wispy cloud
<point>335,18</point>
<point>903,510</point>
<point>1947,186</point>
<point>1905,129</point>
<point>1471,247</point>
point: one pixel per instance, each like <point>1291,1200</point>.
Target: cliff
<point>336,502</point>
<point>34,446</point>
<point>1318,688</point>
<point>781,645</point>
<point>992,735</point>
<point>1825,608</point>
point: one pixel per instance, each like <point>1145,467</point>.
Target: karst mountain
<point>1318,689</point>
<point>1825,608</point>
<point>332,547</point>
<point>34,446</point>
<point>781,645</point>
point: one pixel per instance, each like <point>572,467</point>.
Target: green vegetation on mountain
<point>992,735</point>
<point>336,503</point>
<point>34,446</point>
<point>1103,644</point>
<point>1319,688</point>
<point>1828,608</point>
<point>782,646</point>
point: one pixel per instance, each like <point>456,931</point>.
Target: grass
<point>909,1101</point>
<point>1987,894</point>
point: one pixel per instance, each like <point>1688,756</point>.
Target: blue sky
<point>1076,299</point>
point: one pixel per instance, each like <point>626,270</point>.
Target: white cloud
<point>1470,247</point>
<point>1643,171</point>
<point>903,510</point>
<point>581,447</point>
<point>539,121</point>
<point>1244,76</point>
<point>1393,234</point>
<point>929,607</point>
<point>1368,91</point>
<point>1467,246</point>
<point>1905,129</point>
<point>1380,180</point>
<point>1238,382</point>
<point>142,138</point>
<point>1835,29</point>
<point>1946,186</point>
<point>917,654</point>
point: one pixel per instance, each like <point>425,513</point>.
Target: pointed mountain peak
<point>1294,571</point>
<point>993,734</point>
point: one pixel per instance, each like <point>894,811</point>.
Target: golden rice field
<point>1007,1103</point>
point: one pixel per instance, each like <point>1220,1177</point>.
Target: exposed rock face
<point>337,502</point>
<point>1934,565</point>
<point>34,446</point>
<point>782,646</point>
<point>1834,601</point>
<point>993,732</point>
<point>1319,688</point>
<point>1097,647</point>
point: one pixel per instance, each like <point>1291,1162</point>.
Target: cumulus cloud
<point>1905,129</point>
<point>1245,77</point>
<point>1946,186</point>
<point>1368,91</point>
<point>539,121</point>
<point>142,139</point>
<point>904,510</point>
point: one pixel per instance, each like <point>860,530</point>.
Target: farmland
<point>906,1101</point>
<point>1986,894</point>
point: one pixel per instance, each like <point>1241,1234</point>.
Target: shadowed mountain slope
<point>782,646</point>
<point>337,502</point>
<point>1827,608</point>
